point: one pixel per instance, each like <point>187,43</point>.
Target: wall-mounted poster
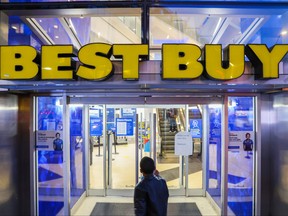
<point>196,128</point>
<point>129,113</point>
<point>96,126</point>
<point>241,140</point>
<point>49,140</point>
<point>96,121</point>
<point>124,127</point>
<point>111,119</point>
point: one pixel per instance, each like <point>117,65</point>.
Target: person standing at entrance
<point>172,114</point>
<point>151,193</point>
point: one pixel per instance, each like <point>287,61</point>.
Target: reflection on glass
<point>50,160</point>
<point>82,28</point>
<point>21,34</point>
<point>77,154</point>
<point>178,25</point>
<point>122,139</point>
<point>55,30</point>
<point>195,160</point>
<point>113,26</point>
<point>116,29</point>
<point>169,122</point>
<point>240,155</point>
<point>214,153</point>
<point>96,147</point>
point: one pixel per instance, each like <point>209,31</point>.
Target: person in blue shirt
<point>172,116</point>
<point>58,143</point>
<point>247,144</point>
<point>151,193</point>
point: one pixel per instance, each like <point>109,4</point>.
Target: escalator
<point>167,138</point>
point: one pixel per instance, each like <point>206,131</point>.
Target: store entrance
<point>120,135</point>
<point>103,144</point>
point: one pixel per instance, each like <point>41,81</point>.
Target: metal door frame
<point>143,103</point>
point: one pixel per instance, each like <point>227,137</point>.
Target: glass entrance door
<point>137,131</point>
<point>120,135</point>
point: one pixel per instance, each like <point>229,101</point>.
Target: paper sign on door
<point>183,143</point>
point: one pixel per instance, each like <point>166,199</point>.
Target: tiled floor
<point>88,204</point>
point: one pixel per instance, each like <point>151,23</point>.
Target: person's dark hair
<point>147,165</point>
<point>247,134</point>
<point>57,134</point>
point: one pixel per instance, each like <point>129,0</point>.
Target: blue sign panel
<point>111,119</point>
<point>96,127</point>
<point>96,112</point>
<point>196,128</point>
<point>124,127</point>
<point>215,123</point>
<point>110,115</point>
<point>129,113</point>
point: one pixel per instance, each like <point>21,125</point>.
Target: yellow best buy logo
<point>179,61</point>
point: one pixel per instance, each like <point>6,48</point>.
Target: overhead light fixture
<point>284,32</point>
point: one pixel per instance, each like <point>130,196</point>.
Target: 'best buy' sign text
<point>179,61</point>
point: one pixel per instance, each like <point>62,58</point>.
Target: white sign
<point>183,143</point>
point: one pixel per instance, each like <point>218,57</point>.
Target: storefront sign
<point>179,61</point>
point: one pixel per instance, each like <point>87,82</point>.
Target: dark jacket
<point>151,197</point>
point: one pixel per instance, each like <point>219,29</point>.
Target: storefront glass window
<point>111,26</point>
<point>77,154</point>
<point>241,155</point>
<point>221,1</point>
<point>54,28</point>
<point>64,0</point>
<point>215,26</point>
<point>148,0</point>
<point>21,34</point>
<point>49,143</point>
<point>214,153</point>
<point>195,160</point>
<point>96,144</point>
